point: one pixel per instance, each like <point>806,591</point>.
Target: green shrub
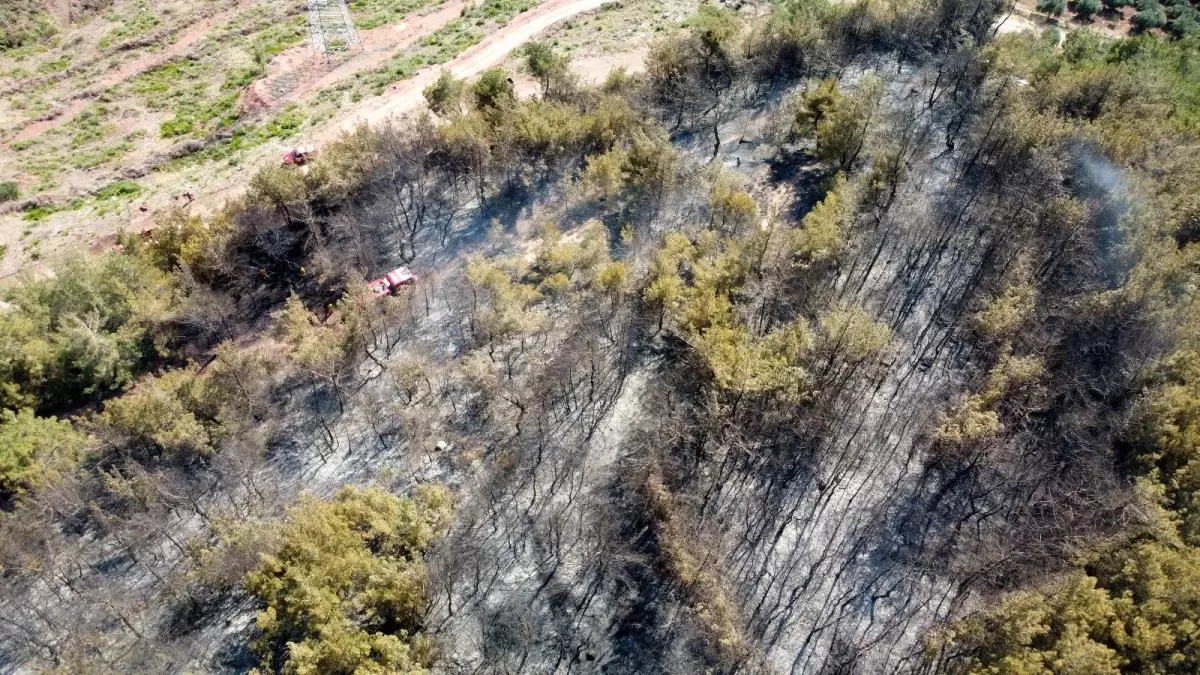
<point>346,591</point>
<point>119,189</point>
<point>90,125</point>
<point>164,414</point>
<point>1051,7</point>
<point>176,126</point>
<point>1152,16</point>
<point>82,333</point>
<point>444,95</point>
<point>1085,9</point>
<point>237,79</point>
<point>55,65</point>
<point>9,191</point>
<point>33,449</point>
<point>38,213</point>
<point>286,124</point>
<point>493,89</point>
<point>1185,22</point>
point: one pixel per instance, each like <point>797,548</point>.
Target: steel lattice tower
<point>331,26</point>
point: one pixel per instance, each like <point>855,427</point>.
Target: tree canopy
<point>345,592</point>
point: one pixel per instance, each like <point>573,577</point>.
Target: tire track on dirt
<point>379,45</point>
<point>127,70</point>
<point>404,97</point>
<point>401,98</point>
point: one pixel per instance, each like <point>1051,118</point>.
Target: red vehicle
<point>298,155</point>
<point>392,282</point>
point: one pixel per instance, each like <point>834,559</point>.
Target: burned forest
<point>844,338</point>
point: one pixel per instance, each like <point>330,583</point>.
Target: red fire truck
<point>392,282</point>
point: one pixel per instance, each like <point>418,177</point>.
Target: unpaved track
<point>379,44</point>
<point>406,96</point>
<point>129,69</point>
<point>403,97</point>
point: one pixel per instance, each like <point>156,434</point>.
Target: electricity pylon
<point>331,26</point>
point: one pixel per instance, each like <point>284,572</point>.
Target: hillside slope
<point>843,338</point>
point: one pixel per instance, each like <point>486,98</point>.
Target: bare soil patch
<point>296,75</point>
<point>127,70</point>
<point>1108,23</point>
<point>405,96</point>
<point>301,72</point>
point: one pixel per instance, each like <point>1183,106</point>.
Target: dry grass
<point>694,562</point>
<point>620,25</point>
<point>156,93</point>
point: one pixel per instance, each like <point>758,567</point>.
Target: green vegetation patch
<point>36,213</point>
<point>24,23</point>
<point>175,79</point>
<point>202,92</point>
<point>33,103</point>
<point>89,141</point>
<point>90,125</point>
<point>346,590</point>
<point>39,213</point>
<point>33,450</point>
<point>373,13</point>
<point>55,65</point>
<point>1167,67</point>
<point>244,136</point>
<point>104,155</point>
<point>45,166</point>
<point>240,77</point>
<point>79,334</point>
<point>118,190</point>
<point>176,126</point>
<point>128,27</point>
<point>261,30</point>
<point>443,44</point>
<point>184,86</point>
<point>113,192</point>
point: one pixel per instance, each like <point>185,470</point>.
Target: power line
<point>331,26</point>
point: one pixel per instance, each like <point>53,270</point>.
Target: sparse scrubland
<point>128,107</point>
<point>846,338</point>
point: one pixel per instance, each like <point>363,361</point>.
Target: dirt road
<point>406,96</point>
<point>379,45</point>
<point>127,70</point>
<point>214,188</point>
